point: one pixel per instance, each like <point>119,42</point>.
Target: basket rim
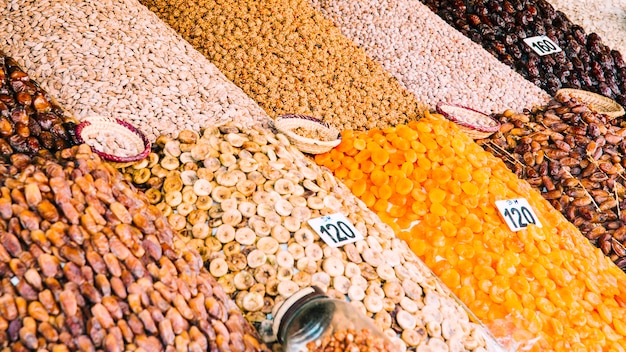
<point>580,93</point>
<point>320,124</point>
<point>450,116</point>
<point>111,157</point>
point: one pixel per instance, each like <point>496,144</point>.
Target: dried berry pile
<point>574,157</point>
<point>548,283</point>
<point>501,26</point>
<point>290,59</point>
<point>87,264</point>
<point>30,120</point>
<point>243,198</point>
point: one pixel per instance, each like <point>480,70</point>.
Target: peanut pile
<point>87,264</point>
<point>243,198</point>
<point>29,119</point>
<point>290,59</point>
<point>574,158</point>
<point>437,189</point>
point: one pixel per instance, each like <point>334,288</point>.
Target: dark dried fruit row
<point>30,120</point>
<point>86,263</point>
<point>500,27</point>
<point>575,158</point>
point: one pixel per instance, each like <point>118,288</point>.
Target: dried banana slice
<point>245,236</point>
<point>283,207</point>
<point>200,230</point>
<point>246,187</point>
<point>220,193</point>
<point>332,266</point>
<point>170,162</point>
<point>268,245</point>
<point>232,217</point>
<point>225,233</point>
<point>256,258</point>
<point>189,177</point>
<point>247,209</point>
<point>291,223</point>
<point>287,288</point>
<point>280,234</point>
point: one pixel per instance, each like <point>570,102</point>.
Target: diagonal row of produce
<point>98,259</point>
<point>502,27</point>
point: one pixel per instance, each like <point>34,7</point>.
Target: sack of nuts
<point>86,263</point>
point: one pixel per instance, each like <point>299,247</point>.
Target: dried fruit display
<point>87,264</point>
<point>30,120</point>
<point>573,157</point>
<point>437,189</point>
<point>501,26</point>
<point>243,198</point>
<point>291,60</point>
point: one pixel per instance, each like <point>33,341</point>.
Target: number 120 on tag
<point>517,213</point>
<point>336,230</point>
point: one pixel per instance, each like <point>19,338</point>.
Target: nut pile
<point>311,133</point>
<point>110,143</point>
<point>500,27</point>
<point>574,158</point>
<point>29,119</point>
<point>87,264</point>
<point>291,60</point>
<point>243,198</point>
<point>437,189</point>
<point>428,57</point>
<point>353,341</point>
<point>102,59</point>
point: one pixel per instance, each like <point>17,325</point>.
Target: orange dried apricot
<point>437,189</point>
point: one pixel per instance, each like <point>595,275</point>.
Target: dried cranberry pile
<point>500,27</point>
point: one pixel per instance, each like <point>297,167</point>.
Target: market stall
<point>195,221</point>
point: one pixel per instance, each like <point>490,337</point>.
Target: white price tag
<point>517,213</point>
<point>542,45</point>
<point>335,229</point>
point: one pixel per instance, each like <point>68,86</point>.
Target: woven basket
<point>286,124</point>
<point>474,123</point>
<point>597,102</point>
<point>91,126</point>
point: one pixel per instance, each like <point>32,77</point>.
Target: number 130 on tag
<point>517,213</point>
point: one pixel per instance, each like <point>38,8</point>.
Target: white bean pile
<point>115,58</point>
<point>606,18</point>
<point>430,58</point>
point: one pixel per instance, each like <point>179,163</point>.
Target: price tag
<point>542,45</point>
<point>335,229</point>
<point>517,213</point>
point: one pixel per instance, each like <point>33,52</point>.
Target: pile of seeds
<point>574,158</point>
<point>428,57</point>
<point>605,19</point>
<point>30,120</point>
<point>101,58</point>
<point>500,27</point>
<point>290,59</point>
<point>244,198</point>
<point>87,264</point>
<point>550,284</point>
